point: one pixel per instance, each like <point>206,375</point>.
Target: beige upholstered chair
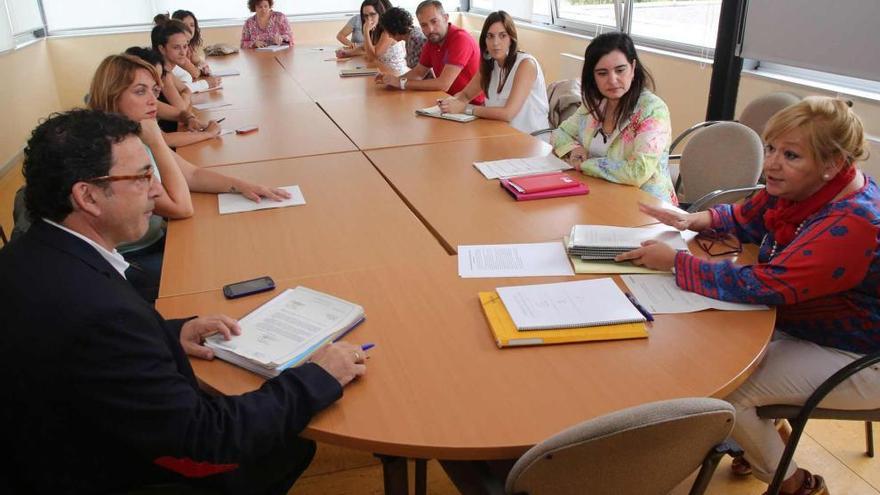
<point>756,114</point>
<point>726,155</point>
<point>618,453</point>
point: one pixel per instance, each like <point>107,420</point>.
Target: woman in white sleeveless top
<point>512,81</point>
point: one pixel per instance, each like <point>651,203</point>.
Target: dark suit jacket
<point>99,394</point>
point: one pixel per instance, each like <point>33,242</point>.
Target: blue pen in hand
<point>647,314</point>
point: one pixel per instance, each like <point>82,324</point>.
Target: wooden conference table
<point>380,228</point>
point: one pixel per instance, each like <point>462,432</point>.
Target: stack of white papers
<point>273,48</point>
<point>585,303</point>
<point>359,71</point>
<point>285,331</point>
<point>659,295</point>
<point>236,203</point>
<point>513,260</point>
<point>225,72</point>
<point>604,242</point>
<point>517,167</point>
<point>435,112</point>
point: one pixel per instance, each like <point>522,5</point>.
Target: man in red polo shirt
<point>451,53</point>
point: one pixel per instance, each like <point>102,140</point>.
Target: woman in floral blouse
<point>266,27</point>
<point>621,131</point>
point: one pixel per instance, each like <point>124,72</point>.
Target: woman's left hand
<point>654,255</point>
<point>277,39</point>
<point>254,192</point>
<point>451,105</point>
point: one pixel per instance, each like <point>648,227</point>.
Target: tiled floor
<point>834,449</point>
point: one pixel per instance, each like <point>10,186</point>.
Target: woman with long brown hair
<point>511,80</point>
<point>621,131</point>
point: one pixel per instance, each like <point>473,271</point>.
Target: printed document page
<point>236,203</point>
<point>513,260</point>
<point>607,236</point>
<point>516,167</point>
<point>288,325</point>
<point>582,303</point>
<point>659,295</point>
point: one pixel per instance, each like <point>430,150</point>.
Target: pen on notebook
<point>368,346</point>
<point>648,316</point>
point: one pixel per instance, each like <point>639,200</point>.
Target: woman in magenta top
<point>266,27</point>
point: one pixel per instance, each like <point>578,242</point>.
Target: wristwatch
<point>402,81</point>
<point>469,109</point>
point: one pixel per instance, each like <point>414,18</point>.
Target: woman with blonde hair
<point>817,205</point>
<point>130,86</point>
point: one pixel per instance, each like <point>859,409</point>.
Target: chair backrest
<point>756,114</point>
<point>726,155</point>
<point>723,196</point>
<point>647,449</point>
<point>565,98</point>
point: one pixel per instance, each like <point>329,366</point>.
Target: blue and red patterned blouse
<point>825,283</point>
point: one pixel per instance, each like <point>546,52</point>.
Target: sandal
<point>813,485</point>
<point>740,466</point>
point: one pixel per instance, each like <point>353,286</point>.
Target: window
<point>592,15</point>
<point>63,15</point>
<point>528,10</point>
<point>5,31</point>
<point>689,22</point>
<point>689,26</point>
<point>24,16</point>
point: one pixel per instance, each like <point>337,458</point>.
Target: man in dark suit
<point>99,392</point>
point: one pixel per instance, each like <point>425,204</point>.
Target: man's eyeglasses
<point>142,179</point>
<point>716,243</point>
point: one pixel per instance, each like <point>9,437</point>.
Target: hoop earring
<point>486,56</point>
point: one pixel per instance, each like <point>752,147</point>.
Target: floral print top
<point>638,153</point>
<point>252,32</point>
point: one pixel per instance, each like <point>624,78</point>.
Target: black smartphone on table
<point>248,287</point>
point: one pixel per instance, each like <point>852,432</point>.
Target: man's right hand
<point>342,360</point>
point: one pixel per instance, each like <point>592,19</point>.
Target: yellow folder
<point>506,334</point>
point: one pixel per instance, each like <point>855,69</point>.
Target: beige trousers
<point>791,370</point>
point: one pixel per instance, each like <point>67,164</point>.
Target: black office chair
<point>798,415</point>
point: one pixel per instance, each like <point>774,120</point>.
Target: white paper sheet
<point>513,260</point>
<point>517,167</point>
<point>224,132</point>
<point>273,48</point>
<point>211,105</point>
<point>659,295</point>
<point>289,324</point>
<point>568,305</point>
<point>225,72</point>
<point>208,90</point>
<point>236,203</point>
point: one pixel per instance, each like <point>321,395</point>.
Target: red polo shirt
<point>459,48</point>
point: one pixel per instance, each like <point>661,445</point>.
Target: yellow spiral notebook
<point>506,334</point>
